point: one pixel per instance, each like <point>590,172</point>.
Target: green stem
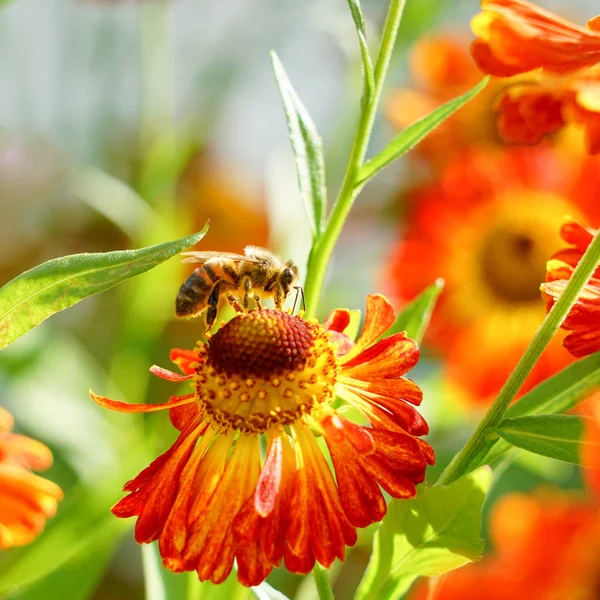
<point>322,582</point>
<point>194,587</point>
<point>323,247</point>
<point>461,462</point>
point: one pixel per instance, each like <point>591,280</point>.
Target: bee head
<point>288,275</point>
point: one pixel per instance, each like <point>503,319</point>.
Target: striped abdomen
<point>194,293</point>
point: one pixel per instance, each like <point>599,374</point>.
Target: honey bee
<point>258,273</point>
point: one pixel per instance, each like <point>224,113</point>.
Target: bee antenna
<point>299,290</point>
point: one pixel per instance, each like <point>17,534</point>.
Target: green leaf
<point>37,294</point>
<point>555,395</point>
<point>307,147</point>
<point>555,436</point>
<point>359,23</point>
<point>413,134</point>
<point>431,534</point>
<point>416,315</point>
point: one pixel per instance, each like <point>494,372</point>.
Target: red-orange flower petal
<point>583,321</point>
<point>529,112</point>
<point>515,36</point>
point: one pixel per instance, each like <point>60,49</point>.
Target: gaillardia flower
<point>583,321</point>
<point>516,37</point>
<point>26,500</point>
<point>488,226</point>
<point>247,478</point>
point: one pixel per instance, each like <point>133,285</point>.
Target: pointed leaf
<point>413,134</point>
<point>37,294</point>
<point>415,317</point>
<point>555,395</point>
<point>435,532</point>
<point>359,23</point>
<point>555,436</point>
<point>307,147</point>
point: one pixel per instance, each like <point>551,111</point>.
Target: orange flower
<point>515,36</point>
<point>247,478</point>
<point>26,500</point>
<point>487,227</point>
<point>529,111</point>
<point>583,322</point>
<point>547,547</point>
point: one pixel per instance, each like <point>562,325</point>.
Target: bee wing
<point>202,257</point>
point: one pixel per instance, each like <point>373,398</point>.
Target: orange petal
<point>186,360</point>
<point>527,113</point>
<point>338,428</point>
<point>361,497</point>
<point>270,479</point>
<point>135,408</point>
<point>337,320</point>
<point>379,317</point>
<point>390,357</point>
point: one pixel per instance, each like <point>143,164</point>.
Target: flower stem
<point>461,462</point>
<point>322,582</point>
<point>324,245</point>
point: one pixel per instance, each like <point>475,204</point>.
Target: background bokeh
<point>126,123</point>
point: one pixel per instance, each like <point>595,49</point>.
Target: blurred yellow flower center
<point>262,369</point>
<point>513,252</point>
<point>511,265</point>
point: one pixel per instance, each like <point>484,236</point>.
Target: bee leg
<point>213,303</point>
<point>234,302</point>
<point>279,298</point>
<point>247,291</point>
<point>299,290</point>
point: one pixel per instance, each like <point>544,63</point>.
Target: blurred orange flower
<point>583,321</point>
<point>516,37</point>
<point>26,500</point>
<point>488,226</point>
<point>269,377</point>
<point>547,547</point>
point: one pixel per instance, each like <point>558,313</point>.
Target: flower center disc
<point>261,344</point>
<point>264,368</point>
